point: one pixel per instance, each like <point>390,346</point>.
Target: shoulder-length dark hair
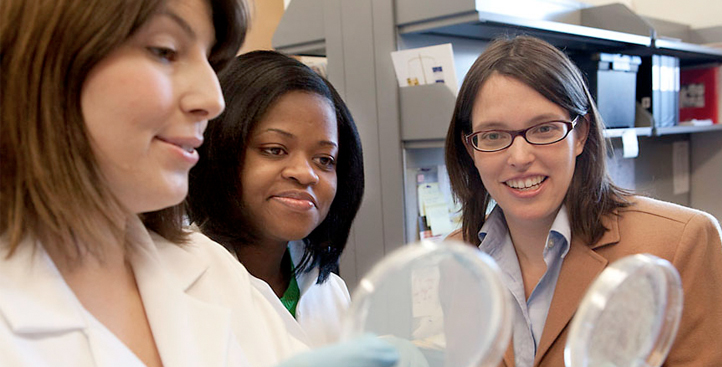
<point>51,188</point>
<point>550,72</point>
<point>251,86</point>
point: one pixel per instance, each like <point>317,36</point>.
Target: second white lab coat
<point>320,309</point>
<point>199,301</point>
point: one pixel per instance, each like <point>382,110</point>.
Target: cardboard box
<point>612,82</point>
<point>700,95</point>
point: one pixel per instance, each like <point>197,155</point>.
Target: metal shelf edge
<point>659,131</point>
<point>618,132</point>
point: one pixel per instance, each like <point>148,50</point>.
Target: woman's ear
<point>581,133</point>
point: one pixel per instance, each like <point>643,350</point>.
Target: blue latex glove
<point>409,354</point>
<point>364,351</point>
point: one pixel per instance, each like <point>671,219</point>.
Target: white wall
<point>696,13</point>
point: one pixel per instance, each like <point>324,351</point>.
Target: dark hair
<point>550,72</point>
<point>252,85</point>
<point>51,187</point>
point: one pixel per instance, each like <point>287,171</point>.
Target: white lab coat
<point>320,309</point>
<point>199,302</point>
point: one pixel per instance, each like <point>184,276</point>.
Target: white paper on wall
<point>426,65</point>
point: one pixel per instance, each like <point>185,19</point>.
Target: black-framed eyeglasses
<point>544,133</point>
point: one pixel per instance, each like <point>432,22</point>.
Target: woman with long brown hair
<point>526,158</point>
<point>103,105</point>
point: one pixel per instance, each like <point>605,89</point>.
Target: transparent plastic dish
<point>628,317</point>
<point>445,301</point>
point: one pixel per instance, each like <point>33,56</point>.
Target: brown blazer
<point>688,238</point>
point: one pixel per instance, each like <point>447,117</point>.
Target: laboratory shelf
<point>659,131</point>
<point>618,132</point>
<point>567,25</point>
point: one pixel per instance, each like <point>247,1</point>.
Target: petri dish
<point>442,300</point>
<point>628,317</point>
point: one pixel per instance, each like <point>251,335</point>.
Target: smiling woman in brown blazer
<point>526,158</point>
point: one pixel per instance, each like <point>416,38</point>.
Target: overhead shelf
<point>685,42</point>
<point>619,132</point>
<point>301,29</point>
<point>688,53</point>
<point>562,24</point>
<point>568,25</point>
<point>489,26</point>
<point>680,129</point>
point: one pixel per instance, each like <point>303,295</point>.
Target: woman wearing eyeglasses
<point>526,158</point>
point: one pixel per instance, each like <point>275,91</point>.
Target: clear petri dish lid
<point>628,317</point>
<point>443,305</point>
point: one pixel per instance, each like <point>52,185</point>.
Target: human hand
<point>364,351</point>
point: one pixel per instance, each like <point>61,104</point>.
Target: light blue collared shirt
<point>529,315</point>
